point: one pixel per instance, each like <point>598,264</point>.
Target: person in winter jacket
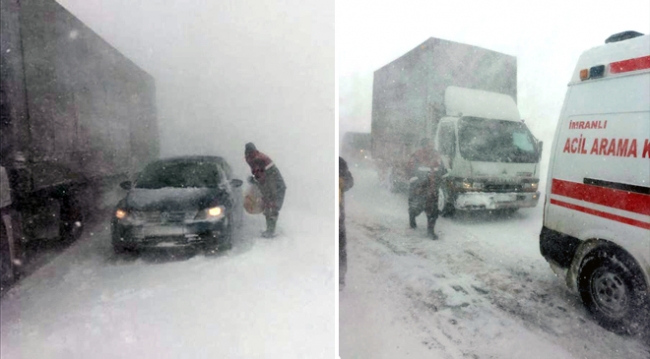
<point>271,184</point>
<point>346,181</point>
<point>425,167</point>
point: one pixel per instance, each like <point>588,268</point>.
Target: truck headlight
<point>531,186</point>
<point>463,184</point>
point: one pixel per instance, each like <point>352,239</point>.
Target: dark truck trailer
<point>75,113</point>
<point>463,98</point>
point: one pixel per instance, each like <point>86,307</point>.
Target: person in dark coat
<point>271,184</point>
<point>346,181</point>
<point>423,187</point>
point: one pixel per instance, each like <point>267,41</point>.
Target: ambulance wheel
<point>614,292</point>
<point>445,208</point>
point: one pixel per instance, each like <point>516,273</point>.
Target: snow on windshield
<point>180,175</point>
<point>495,141</point>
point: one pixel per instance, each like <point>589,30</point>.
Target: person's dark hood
<point>249,148</point>
<point>166,199</point>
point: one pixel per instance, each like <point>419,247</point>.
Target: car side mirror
<point>126,185</point>
<point>236,182</point>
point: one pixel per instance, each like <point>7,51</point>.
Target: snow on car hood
<point>169,198</point>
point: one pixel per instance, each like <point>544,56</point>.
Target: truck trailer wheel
<point>445,207</point>
<point>614,292</point>
<point>6,266</point>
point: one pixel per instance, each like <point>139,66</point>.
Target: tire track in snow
<point>435,337</point>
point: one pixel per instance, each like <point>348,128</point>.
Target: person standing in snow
<point>271,184</point>
<point>346,181</point>
<point>425,167</point>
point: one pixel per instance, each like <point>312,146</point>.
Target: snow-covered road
<point>481,291</point>
<point>264,299</point>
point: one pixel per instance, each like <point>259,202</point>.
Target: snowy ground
<point>481,291</point>
<point>264,299</point>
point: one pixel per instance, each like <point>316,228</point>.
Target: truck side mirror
<point>540,145</point>
<point>236,182</point>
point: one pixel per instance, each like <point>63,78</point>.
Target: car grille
<point>166,216</point>
<point>502,187</point>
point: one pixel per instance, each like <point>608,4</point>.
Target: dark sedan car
<point>183,201</point>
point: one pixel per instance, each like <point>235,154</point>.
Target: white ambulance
<point>596,231</point>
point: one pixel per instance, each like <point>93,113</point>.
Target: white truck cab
<point>596,227</point>
<point>491,158</point>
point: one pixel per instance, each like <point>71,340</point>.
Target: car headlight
<point>120,213</point>
<point>128,216</point>
<point>216,212</point>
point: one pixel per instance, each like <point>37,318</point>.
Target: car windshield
<point>179,175</point>
<point>490,140</point>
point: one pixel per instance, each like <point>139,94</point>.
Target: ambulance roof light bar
<point>622,36</point>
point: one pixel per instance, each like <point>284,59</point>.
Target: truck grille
<point>502,187</point>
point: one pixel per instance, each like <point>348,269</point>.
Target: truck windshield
<point>179,175</point>
<point>488,140</point>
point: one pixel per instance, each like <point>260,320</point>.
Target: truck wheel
<point>614,292</point>
<point>445,208</point>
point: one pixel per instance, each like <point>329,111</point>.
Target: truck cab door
<point>447,144</point>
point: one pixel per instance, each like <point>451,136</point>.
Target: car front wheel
<point>223,240</point>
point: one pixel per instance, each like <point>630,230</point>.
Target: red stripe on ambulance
<point>640,63</point>
<point>602,214</point>
<point>615,198</point>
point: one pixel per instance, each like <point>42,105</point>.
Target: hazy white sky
<point>263,66</point>
<point>228,72</point>
<point>547,37</point>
